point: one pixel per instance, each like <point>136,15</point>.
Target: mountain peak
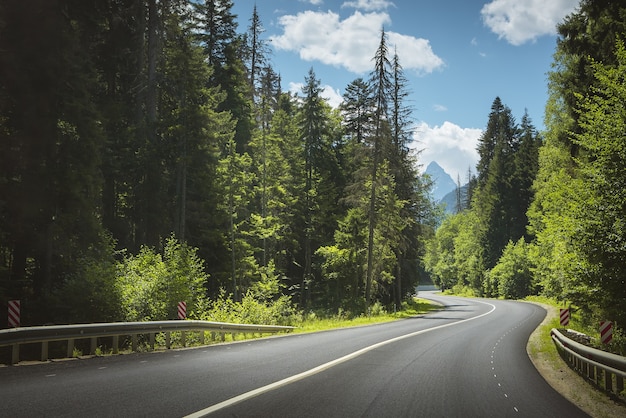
<point>442,182</point>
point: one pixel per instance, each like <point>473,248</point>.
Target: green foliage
<point>468,252</point>
<point>440,257</point>
<point>512,277</point>
<point>600,236</point>
<point>157,119</point>
<point>468,249</point>
<point>88,293</point>
<point>578,212</point>
<point>151,284</point>
<point>250,310</point>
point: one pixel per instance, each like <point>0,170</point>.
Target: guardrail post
<point>44,350</point>
<point>591,372</point>
<point>70,347</point>
<point>168,340</point>
<point>608,381</point>
<point>94,345</point>
<point>133,339</point>
<point>116,344</point>
<point>15,354</point>
<point>152,338</point>
<point>201,337</point>
<point>183,338</point>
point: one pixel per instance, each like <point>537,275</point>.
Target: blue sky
<point>458,55</point>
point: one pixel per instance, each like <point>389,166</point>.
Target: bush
<point>512,277</point>
<point>250,310</point>
<point>151,285</point>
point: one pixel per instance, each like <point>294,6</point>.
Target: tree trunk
<point>371,229</point>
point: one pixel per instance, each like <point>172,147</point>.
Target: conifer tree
<point>256,52</point>
<point>380,80</point>
<point>313,133</point>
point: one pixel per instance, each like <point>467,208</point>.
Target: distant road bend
<point>467,360</point>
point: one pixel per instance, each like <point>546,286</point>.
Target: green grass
<point>412,308</point>
<point>544,344</point>
<point>581,324</point>
<point>462,291</point>
<point>544,354</point>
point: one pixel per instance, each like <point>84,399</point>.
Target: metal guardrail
<point>591,362</point>
<point>15,337</point>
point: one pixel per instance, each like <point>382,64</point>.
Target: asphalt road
<point>468,360</point>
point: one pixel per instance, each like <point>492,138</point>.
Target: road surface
<point>467,360</point>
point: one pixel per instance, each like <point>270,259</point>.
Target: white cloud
<point>520,21</point>
<point>332,95</point>
<point>439,108</point>
<point>453,147</point>
<point>368,5</point>
<point>352,42</point>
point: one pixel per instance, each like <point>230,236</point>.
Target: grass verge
<point>412,308</point>
<point>559,375</point>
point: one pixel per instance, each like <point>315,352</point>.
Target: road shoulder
<point>563,379</point>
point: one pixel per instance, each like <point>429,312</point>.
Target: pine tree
<point>257,52</point>
<point>600,211</point>
<point>313,133</point>
<point>403,167</point>
<point>51,146</point>
<point>381,82</point>
<point>356,110</point>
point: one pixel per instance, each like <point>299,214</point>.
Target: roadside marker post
<point>182,310</point>
<point>606,331</point>
<point>565,316</point>
<point>14,313</point>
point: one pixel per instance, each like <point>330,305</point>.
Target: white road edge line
<point>321,368</point>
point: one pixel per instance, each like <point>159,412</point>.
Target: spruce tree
<point>381,82</point>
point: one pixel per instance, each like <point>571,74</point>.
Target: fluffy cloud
<point>453,147</point>
<point>368,5</point>
<point>351,42</point>
<point>520,21</point>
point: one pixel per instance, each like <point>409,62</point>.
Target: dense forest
<point>547,212</point>
<point>149,155</point>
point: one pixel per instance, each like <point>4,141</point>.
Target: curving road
<point>467,360</point>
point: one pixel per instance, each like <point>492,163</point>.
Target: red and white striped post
<point>14,313</point>
<point>182,310</point>
<point>606,331</point>
<point>565,316</point>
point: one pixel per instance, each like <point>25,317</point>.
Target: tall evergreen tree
<point>314,137</point>
<point>506,170</point>
<point>404,166</point>
<point>49,168</point>
<point>499,129</point>
<point>525,168</point>
<point>256,52</point>
<point>585,36</point>
<point>381,82</point>
<point>600,236</point>
<point>356,110</point>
